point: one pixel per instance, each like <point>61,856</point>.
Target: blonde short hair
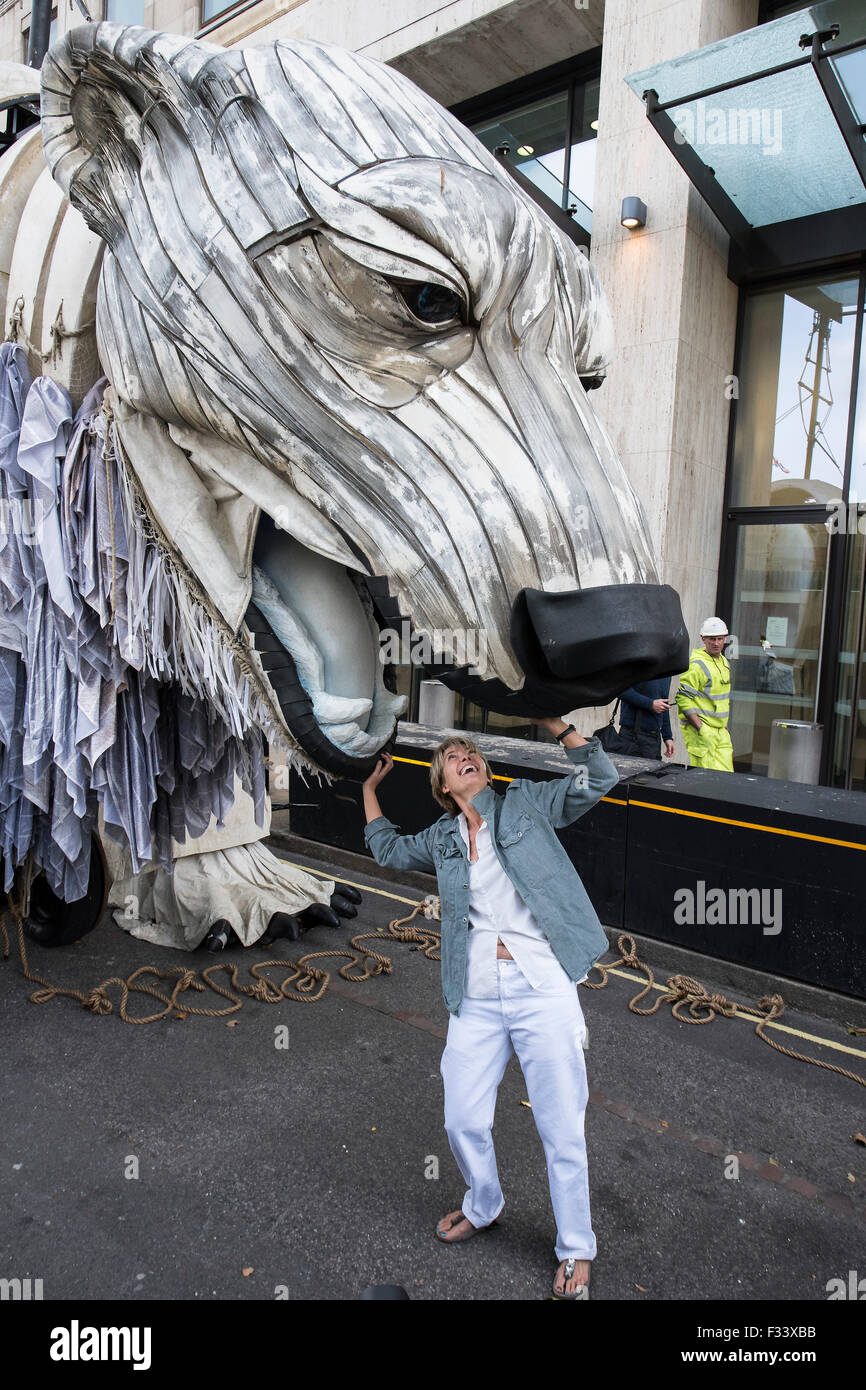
<point>437,768</point>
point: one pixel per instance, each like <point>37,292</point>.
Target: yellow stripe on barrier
<point>498,777</point>
<point>748,825</point>
<point>696,815</point>
<point>415,762</point>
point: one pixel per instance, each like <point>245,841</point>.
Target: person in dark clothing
<point>645,720</point>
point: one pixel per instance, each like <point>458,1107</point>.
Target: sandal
<point>473,1231</point>
<point>582,1290</point>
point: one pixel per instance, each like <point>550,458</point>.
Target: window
<point>125,11</point>
<point>25,37</point>
<point>793,563</point>
<point>548,125</point>
<point>776,615</point>
<point>210,9</point>
<point>769,10</point>
<point>794,406</point>
<point>849,707</point>
<point>857,485</point>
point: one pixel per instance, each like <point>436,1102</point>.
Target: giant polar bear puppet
<point>347,362</point>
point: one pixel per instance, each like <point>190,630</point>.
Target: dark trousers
<point>641,744</point>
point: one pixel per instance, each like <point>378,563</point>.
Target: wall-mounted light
<point>593,125</point>
<point>633,213</point>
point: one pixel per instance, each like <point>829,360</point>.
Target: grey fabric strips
<point>115,686</point>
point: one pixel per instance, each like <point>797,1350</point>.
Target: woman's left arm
<point>592,774</point>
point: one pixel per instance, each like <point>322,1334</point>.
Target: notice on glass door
<point>777,632</point>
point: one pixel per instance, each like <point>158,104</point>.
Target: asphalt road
<point>296,1150</point>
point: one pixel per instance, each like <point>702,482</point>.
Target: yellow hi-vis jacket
<point>706,688</point>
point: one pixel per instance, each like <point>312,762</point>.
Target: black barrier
<point>765,873</point>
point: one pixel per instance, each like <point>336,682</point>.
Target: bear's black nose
<point>602,640</point>
<point>584,647</point>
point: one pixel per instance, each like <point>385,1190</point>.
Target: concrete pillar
<point>674,308</point>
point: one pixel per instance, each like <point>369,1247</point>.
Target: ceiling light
<point>526,149</point>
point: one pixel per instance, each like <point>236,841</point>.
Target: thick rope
<point>703,1007</point>
<point>306,983</point>
<point>311,982</point>
<point>58,332</point>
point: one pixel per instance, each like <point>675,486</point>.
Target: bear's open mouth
<point>316,628</point>
<point>316,625</point>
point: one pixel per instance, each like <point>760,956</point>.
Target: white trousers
<point>546,1030</point>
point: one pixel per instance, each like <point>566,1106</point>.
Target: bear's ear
<point>98,83</point>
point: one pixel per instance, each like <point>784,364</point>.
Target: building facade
<point>733,394</point>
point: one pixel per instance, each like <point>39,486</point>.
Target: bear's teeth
<point>339,709</point>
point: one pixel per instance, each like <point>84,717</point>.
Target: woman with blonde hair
<point>518,934</point>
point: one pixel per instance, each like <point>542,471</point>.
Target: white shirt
<point>497,911</point>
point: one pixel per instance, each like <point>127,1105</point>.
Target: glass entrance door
<point>849,748</point>
<point>777,623</point>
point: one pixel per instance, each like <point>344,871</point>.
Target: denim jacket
<point>522,822</point>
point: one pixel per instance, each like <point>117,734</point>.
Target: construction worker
<point>703,701</point>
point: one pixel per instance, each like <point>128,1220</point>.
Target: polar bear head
<point>327,309</point>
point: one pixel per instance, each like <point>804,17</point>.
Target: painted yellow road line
<point>361,887</point>
<point>750,1018</point>
<point>748,825</point>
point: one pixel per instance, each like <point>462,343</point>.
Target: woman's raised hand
<point>548,722</point>
<point>382,768</point>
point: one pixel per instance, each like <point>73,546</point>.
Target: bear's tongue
<point>324,603</point>
<point>316,613</point>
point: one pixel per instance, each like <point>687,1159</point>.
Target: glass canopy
<point>770,123</point>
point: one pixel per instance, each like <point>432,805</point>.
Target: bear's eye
<point>433,303</point>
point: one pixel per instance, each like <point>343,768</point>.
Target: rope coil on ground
<point>305,983</point>
<point>703,1007</point>
<point>311,982</point>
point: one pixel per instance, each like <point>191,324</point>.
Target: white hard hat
<point>713,627</point>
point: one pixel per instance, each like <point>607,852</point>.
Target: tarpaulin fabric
<point>228,876</point>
